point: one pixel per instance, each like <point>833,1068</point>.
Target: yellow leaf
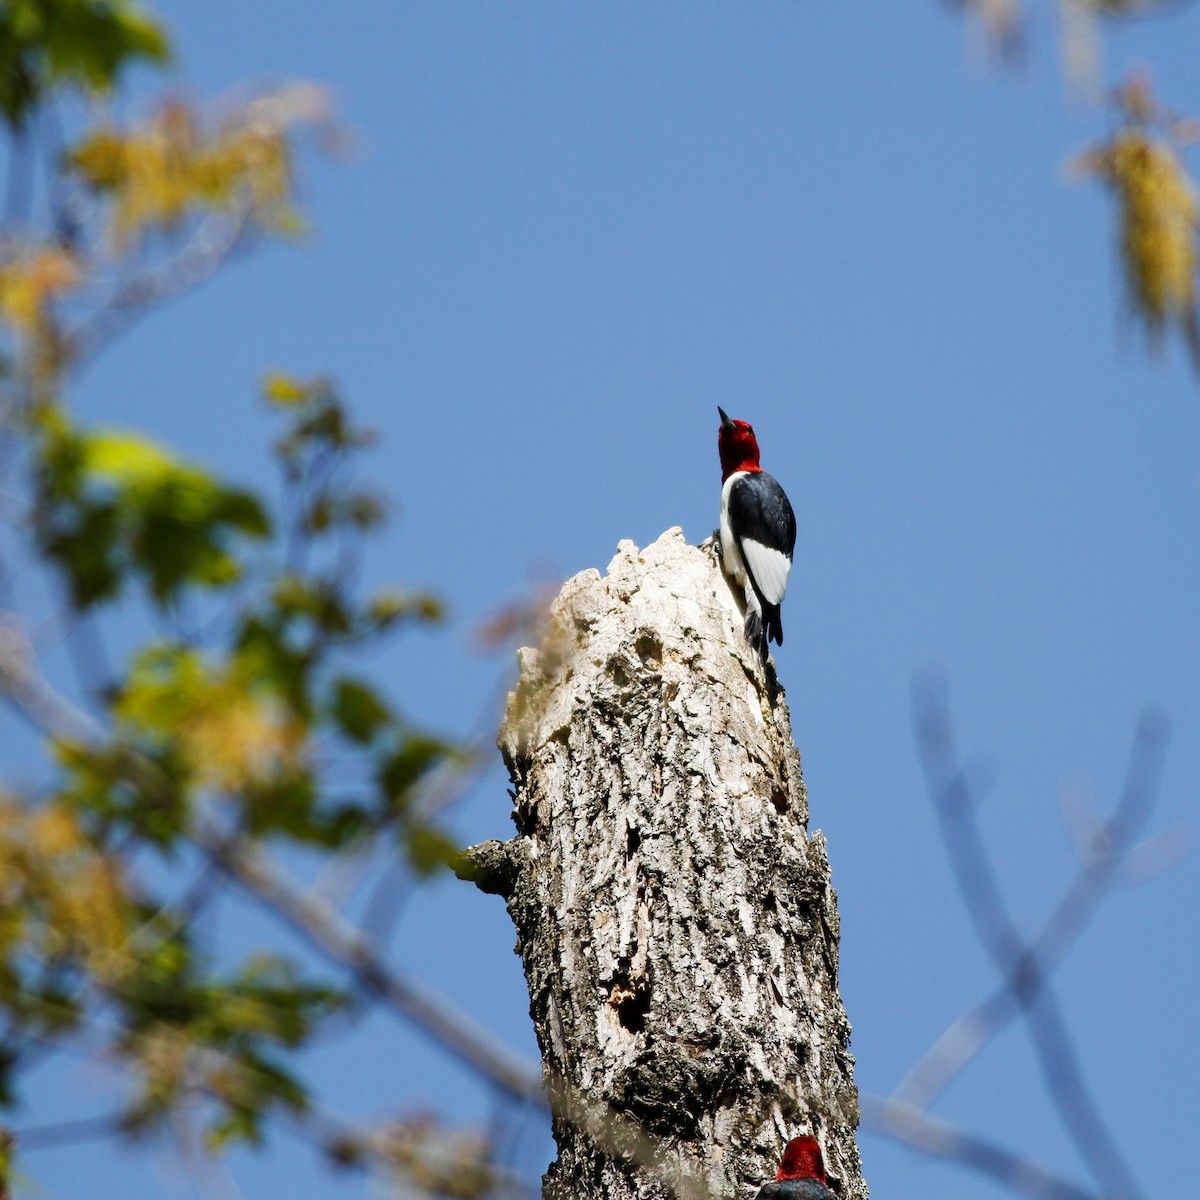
<point>58,893</point>
<point>284,390</point>
<point>171,167</point>
<point>128,458</point>
<point>1157,213</point>
<point>31,281</point>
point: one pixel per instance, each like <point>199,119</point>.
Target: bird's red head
<point>802,1160</point>
<point>737,445</point>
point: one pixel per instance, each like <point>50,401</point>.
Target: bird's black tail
<point>773,624</point>
<point>763,627</point>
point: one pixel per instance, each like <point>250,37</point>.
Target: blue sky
<point>565,234</point>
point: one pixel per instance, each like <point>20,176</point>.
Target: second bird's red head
<point>802,1160</point>
<point>737,445</point>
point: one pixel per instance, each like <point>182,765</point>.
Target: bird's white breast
<point>731,556</point>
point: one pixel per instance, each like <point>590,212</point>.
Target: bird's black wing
<point>759,509</point>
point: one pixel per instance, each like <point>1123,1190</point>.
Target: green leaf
<point>429,849</point>
<point>230,1026</point>
<point>85,545</point>
<point>358,711</point>
<point>108,783</point>
<point>115,504</point>
<point>266,653</point>
<point>48,45</point>
<point>390,605</point>
<point>127,458</point>
<point>402,769</point>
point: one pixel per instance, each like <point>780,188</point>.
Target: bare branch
<point>1152,857</point>
<point>1107,858</point>
<point>213,243</point>
<point>32,696</point>
<point>325,929</point>
<point>948,1142</point>
<point>67,1133</point>
<point>997,933</point>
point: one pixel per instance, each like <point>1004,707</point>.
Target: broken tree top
<point>676,923</point>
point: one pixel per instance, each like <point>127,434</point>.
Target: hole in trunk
<point>630,1000</point>
<point>633,839</point>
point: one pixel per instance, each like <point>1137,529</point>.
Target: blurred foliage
<point>236,735</point>
<point>46,45</point>
<point>114,507</point>
<point>188,1032</point>
<point>1157,209</point>
<point>142,212</point>
<point>33,279</point>
<point>424,1157</point>
<point>1141,162</point>
<point>240,725</point>
<point>157,173</point>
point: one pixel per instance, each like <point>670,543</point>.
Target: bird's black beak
<point>725,421</point>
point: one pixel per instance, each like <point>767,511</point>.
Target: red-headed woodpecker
<point>758,532</point>
<point>801,1175</point>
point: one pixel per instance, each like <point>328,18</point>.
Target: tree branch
<point>948,1142</point>
<point>316,921</point>
<point>326,930</point>
<point>997,933</point>
<point>1105,850</point>
<point>213,243</point>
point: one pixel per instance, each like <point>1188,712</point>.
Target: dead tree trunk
<point>677,924</point>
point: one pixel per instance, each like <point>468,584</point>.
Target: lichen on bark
<point>676,922</point>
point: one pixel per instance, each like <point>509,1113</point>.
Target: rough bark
<point>677,924</point>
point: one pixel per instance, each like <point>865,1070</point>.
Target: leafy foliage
<point>234,737</point>
<point>187,1032</point>
<point>113,506</point>
<point>424,1157</point>
<point>157,173</point>
<point>1141,164</point>
<point>142,212</point>
<point>32,279</point>
<point>1158,208</point>
<point>48,44</point>
<point>240,725</point>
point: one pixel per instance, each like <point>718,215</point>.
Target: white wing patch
<point>769,569</point>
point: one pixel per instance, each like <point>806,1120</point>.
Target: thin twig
<point>67,1133</point>
<point>321,925</point>
<point>47,710</point>
<point>214,242</point>
<point>324,928</point>
<point>943,1140</point>
<point>1105,854</point>
<point>997,933</point>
